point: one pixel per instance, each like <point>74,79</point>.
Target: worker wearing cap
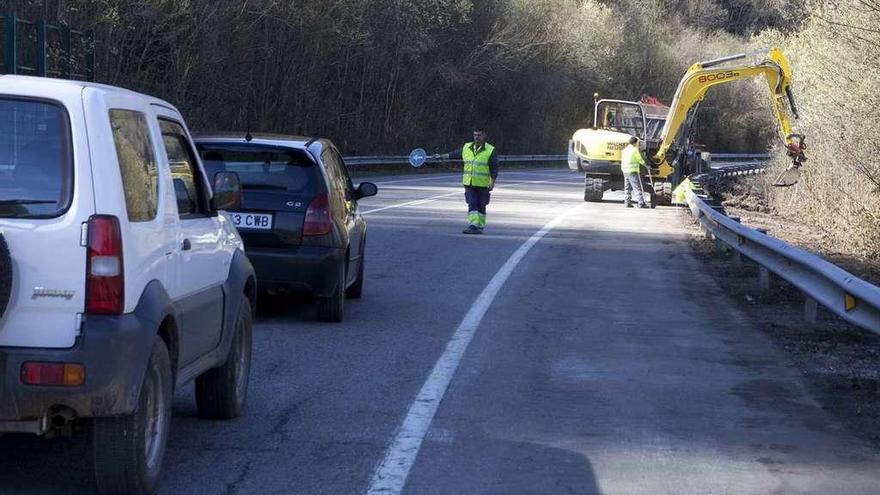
<point>479,174</point>
<point>631,162</point>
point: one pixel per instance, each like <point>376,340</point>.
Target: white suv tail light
<point>105,280</point>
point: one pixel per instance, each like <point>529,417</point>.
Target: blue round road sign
<point>418,157</point>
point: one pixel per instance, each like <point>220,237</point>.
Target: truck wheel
<point>593,189</point>
<point>128,450</point>
<point>357,288</point>
<point>5,275</point>
<point>221,392</point>
<point>331,309</point>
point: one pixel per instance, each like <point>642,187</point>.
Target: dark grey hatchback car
<point>299,216</point>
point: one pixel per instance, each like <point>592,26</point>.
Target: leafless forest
<point>384,76</point>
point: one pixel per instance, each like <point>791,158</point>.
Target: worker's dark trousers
<point>477,198</point>
<point>630,182</point>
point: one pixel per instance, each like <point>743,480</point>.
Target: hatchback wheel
<point>128,450</point>
<point>357,288</point>
<point>332,308</point>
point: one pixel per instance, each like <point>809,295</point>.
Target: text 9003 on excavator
<point>664,131</point>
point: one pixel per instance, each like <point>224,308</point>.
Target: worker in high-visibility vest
<point>631,162</point>
<point>478,177</point>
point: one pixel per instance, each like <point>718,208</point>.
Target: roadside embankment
<point>746,198</point>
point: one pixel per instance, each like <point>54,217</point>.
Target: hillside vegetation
<point>836,60</point>
<point>384,76</point>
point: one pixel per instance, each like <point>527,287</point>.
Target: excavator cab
<point>620,116</point>
<point>642,119</point>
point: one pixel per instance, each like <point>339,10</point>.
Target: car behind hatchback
<point>299,216</point>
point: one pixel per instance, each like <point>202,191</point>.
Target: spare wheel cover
<point>5,274</point>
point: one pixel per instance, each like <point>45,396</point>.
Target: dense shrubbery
<point>836,59</point>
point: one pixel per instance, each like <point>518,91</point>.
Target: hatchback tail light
<point>318,216</point>
<point>105,280</point>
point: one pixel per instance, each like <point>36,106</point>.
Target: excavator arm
<point>703,75</point>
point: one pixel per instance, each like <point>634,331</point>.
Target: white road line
<point>432,198</point>
<point>548,172</point>
<point>411,203</point>
<point>390,475</point>
<point>416,179</point>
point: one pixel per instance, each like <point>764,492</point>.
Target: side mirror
<point>367,189</point>
<point>227,191</point>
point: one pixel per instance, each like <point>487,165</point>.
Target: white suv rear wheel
<point>129,449</point>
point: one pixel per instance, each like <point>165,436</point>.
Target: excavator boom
<point>704,75</point>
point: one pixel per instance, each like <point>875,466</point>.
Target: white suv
<point>119,280</point>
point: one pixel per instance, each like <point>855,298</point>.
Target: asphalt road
<point>599,358</point>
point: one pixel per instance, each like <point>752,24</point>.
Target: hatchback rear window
<point>261,167</point>
<point>36,164</point>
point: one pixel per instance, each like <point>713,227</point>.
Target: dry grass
<point>836,61</point>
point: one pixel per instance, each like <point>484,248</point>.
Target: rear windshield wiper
<point>27,201</point>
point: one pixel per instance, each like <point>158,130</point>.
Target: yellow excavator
<point>665,137</point>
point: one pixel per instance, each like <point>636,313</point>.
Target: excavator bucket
<point>795,149</point>
<point>789,177</point>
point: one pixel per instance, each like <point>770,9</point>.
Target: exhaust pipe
<point>60,421</point>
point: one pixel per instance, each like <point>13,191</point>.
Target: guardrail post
<point>719,245</point>
<point>737,256</point>
<point>707,234</point>
<point>764,280</point>
<point>811,309</point>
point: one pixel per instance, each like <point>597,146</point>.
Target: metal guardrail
<point>732,157</point>
<point>396,159</point>
<point>846,295</point>
<point>399,159</point>
<point>721,172</point>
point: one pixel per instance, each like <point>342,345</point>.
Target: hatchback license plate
<point>258,221</point>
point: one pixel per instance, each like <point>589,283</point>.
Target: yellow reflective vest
<point>476,165</point>
<point>631,159</point>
